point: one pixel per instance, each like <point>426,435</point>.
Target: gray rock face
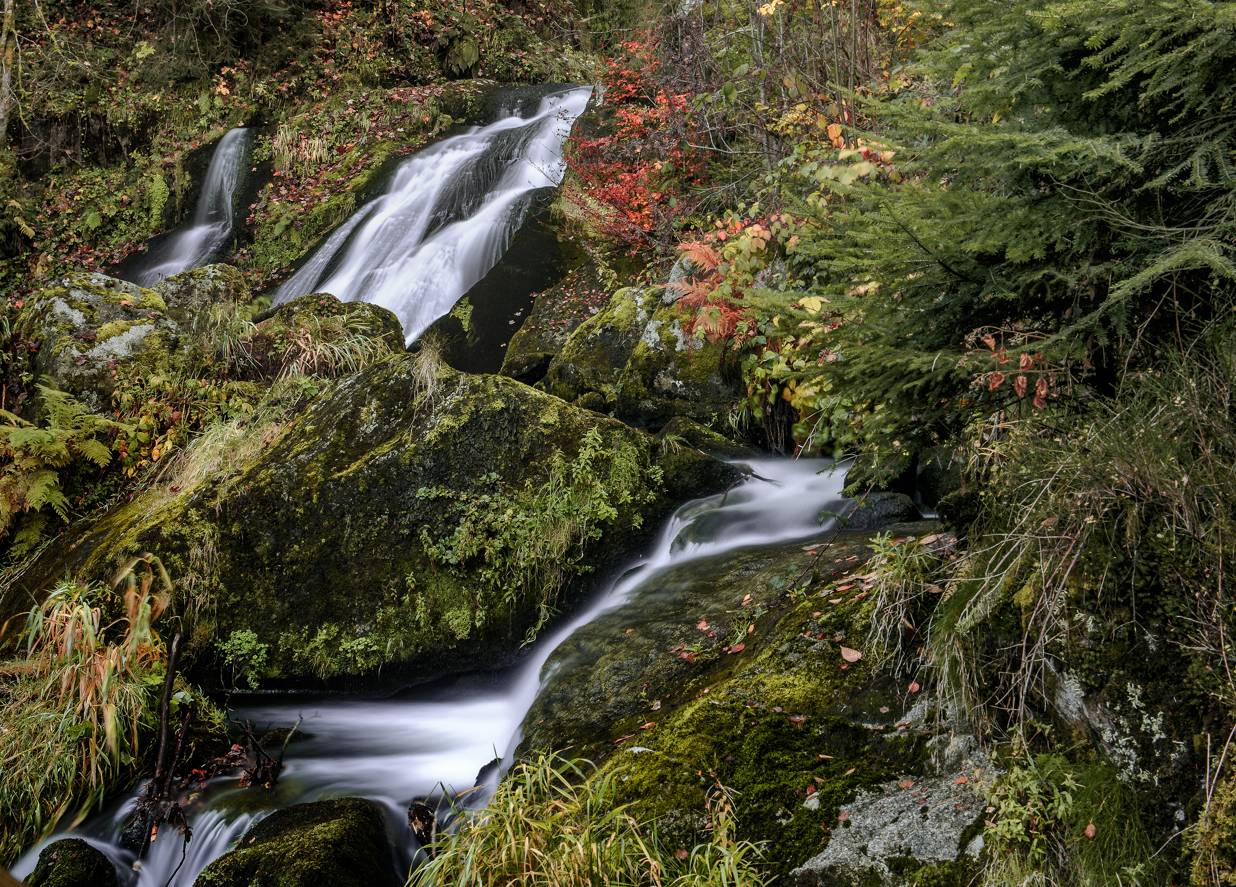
<point>906,824</point>
<point>89,325</point>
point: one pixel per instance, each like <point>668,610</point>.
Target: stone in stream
<point>72,862</point>
<point>730,671</point>
<point>340,843</point>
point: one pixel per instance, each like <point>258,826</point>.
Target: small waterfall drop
<point>414,745</point>
<point>210,230</point>
<point>446,218</point>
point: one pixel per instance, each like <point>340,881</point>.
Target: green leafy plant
<point>39,456</point>
<point>245,656</point>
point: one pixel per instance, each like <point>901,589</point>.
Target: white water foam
<point>446,218</point>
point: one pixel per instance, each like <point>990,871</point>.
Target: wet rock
<point>556,313</point>
<point>352,536</point>
<point>341,843</point>
<point>876,510</point>
<point>72,862</point>
<point>89,326</point>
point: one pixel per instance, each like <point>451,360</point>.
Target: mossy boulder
<point>88,326</point>
<point>408,515</point>
<point>556,313</point>
<point>341,843</point>
<point>193,297</point>
<point>72,862</point>
<point>636,357</point>
<point>730,671</point>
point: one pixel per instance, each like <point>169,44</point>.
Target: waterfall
<point>435,738</point>
<point>210,230</point>
<point>446,217</point>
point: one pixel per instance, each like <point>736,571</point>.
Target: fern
<point>41,459</point>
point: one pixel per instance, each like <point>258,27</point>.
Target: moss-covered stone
<point>193,296</point>
<point>730,671</point>
<point>399,519</point>
<point>72,862</point>
<point>342,843</point>
<point>89,326</point>
<point>556,313</point>
<point>637,355</point>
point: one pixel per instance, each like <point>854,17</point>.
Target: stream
<point>436,738</point>
<point>210,230</point>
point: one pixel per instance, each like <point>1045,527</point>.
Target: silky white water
<point>446,218</point>
<point>438,738</point>
<point>210,230</point>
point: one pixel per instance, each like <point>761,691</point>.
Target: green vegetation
<point>527,545</point>
<point>78,702</point>
<point>69,440</point>
<point>555,821</point>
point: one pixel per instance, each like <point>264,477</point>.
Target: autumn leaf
<point>737,648</point>
<point>915,686</point>
<point>1091,831</point>
<point>850,655</point>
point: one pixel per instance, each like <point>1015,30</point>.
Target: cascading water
<point>398,749</point>
<point>210,230</point>
<point>446,218</point>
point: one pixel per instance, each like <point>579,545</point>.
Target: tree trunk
<point>8,51</point>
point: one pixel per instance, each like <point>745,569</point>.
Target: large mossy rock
<point>340,843</point>
<point>408,515</point>
<point>94,332</point>
<point>730,671</point>
<point>193,296</point>
<point>635,360</point>
<point>72,862</point>
<point>89,326</point>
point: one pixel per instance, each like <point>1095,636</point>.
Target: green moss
<point>72,862</point>
<point>340,842</point>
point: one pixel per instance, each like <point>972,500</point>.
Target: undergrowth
<point>556,822</point>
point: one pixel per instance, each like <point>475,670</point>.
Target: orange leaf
<point>850,655</point>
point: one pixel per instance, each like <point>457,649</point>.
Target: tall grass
<point>73,708</point>
<point>555,823</point>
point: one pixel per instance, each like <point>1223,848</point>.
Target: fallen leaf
<point>751,628</point>
<point>961,780</point>
<point>647,725</point>
<point>906,783</point>
<point>702,625</point>
<point>914,686</point>
<point>810,789</point>
<point>850,655</point>
<point>738,648</point>
<point>656,705</point>
<point>746,600</point>
<point>1091,831</point>
<point>843,815</point>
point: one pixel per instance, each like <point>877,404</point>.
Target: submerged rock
<point>340,843</point>
<point>876,510</point>
<point>408,515</point>
<point>72,862</point>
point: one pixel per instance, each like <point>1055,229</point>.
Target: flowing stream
<point>436,738</point>
<point>210,230</point>
<point>447,216</point>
